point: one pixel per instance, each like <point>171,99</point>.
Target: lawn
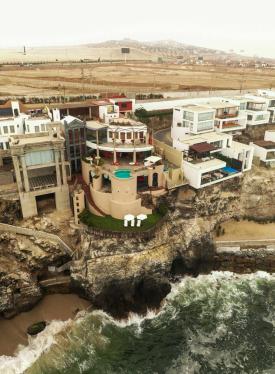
<point>109,223</point>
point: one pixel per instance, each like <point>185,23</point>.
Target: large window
<point>40,157</point>
<point>6,129</point>
<point>203,126</point>
<point>12,130</point>
<point>188,115</point>
<point>206,116</point>
<point>36,129</point>
<point>260,117</point>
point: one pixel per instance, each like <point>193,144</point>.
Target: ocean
<point>221,323</point>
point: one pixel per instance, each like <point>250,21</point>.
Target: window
<point>72,151</point>
<point>141,135</point>
<point>188,115</point>
<point>203,126</point>
<point>70,136</point>
<point>77,150</point>
<point>5,129</point>
<point>249,117</point>
<point>129,135</point>
<point>122,135</point>
<point>124,105</point>
<point>260,117</point>
<point>76,136</point>
<point>43,127</point>
<point>12,129</point>
<point>205,116</point>
<point>82,134</point>
<point>242,106</point>
<point>36,129</point>
<point>1,145</point>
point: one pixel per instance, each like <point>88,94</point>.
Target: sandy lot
<point>247,230</point>
<point>93,78</point>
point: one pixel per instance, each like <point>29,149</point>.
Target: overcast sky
<point>221,24</point>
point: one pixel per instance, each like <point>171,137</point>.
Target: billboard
<point>125,50</point>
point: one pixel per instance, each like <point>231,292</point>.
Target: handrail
<point>36,233</point>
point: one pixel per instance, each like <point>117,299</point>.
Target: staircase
<point>86,189</point>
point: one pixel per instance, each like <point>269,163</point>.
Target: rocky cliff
<point>23,260</point>
<point>120,275</point>
<point>132,274</point>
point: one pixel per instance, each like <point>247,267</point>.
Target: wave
<point>221,322</point>
<point>27,355</point>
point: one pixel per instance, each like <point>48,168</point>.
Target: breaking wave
<point>212,324</point>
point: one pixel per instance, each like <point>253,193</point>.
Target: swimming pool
<point>229,170</point>
<point>123,173</point>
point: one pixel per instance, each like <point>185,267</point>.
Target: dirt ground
<point>92,78</point>
<point>247,230</point>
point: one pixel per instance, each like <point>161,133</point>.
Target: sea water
<point>213,324</point>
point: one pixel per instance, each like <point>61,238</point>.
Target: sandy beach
<point>52,307</point>
<point>247,230</point>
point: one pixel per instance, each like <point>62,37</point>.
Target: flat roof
<point>240,146</point>
<point>20,140</point>
<point>202,147</point>
<point>221,104</point>
<point>267,144</point>
<point>95,125</point>
<point>197,108</point>
<point>207,137</point>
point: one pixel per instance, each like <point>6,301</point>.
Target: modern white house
<point>256,109</point>
<point>265,151</point>
<point>208,157</point>
<point>192,119</point>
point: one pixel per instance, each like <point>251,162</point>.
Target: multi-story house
<point>208,157</point>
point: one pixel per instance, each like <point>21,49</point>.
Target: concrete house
<point>121,168</point>
<point>40,169</point>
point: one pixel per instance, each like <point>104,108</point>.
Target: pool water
<point>229,170</point>
<point>123,174</point>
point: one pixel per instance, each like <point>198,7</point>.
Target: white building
<point>256,109</point>
<point>192,119</point>
<point>209,157</point>
<point>265,151</point>
<point>36,124</point>
<point>108,112</point>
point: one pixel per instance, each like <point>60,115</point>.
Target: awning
<point>152,159</point>
<point>202,147</point>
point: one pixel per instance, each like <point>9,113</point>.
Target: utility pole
<point>82,79</point>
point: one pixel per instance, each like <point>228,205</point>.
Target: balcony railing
<point>227,115</point>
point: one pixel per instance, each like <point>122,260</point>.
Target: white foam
<point>27,355</point>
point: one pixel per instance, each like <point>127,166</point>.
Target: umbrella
<point>129,217</point>
<point>142,217</point>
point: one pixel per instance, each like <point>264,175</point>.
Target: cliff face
<point>23,260</point>
<point>121,275</point>
<point>113,273</point>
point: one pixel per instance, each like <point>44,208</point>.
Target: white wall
<point>33,125</point>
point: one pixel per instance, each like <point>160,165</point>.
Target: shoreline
<point>52,307</point>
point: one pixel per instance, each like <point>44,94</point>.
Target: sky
<point>222,24</point>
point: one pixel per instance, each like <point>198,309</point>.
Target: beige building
<point>40,169</point>
<point>121,169</point>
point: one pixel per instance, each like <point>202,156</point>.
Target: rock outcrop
<point>133,274</point>
<point>111,272</point>
<point>22,261</point>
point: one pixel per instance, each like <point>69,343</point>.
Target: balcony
<point>228,115</point>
